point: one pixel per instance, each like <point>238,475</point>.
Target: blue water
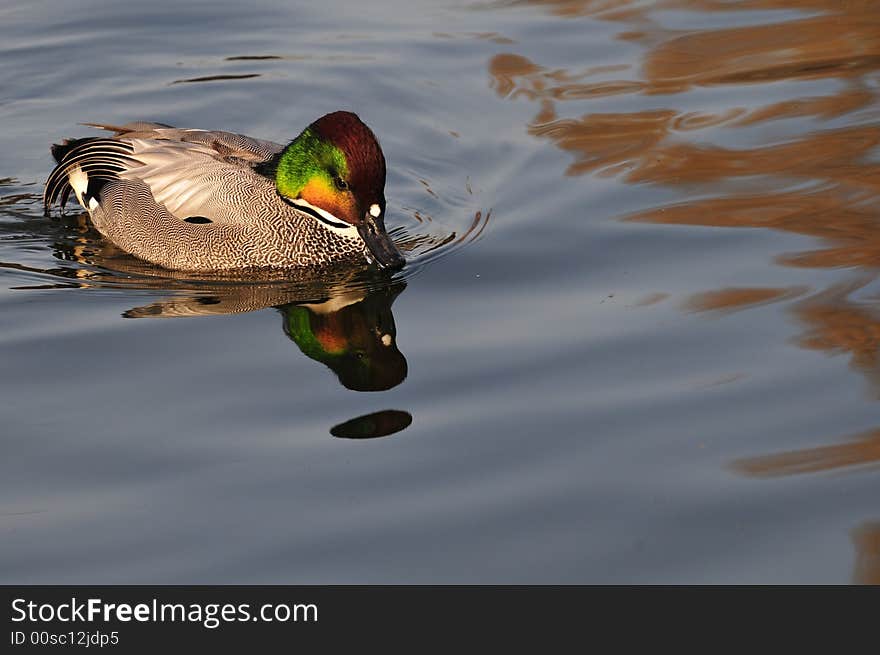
<point>637,340</point>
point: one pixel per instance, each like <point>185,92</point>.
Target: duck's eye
<point>339,183</point>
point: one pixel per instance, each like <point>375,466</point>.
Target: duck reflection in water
<point>349,329</point>
<point>353,335</point>
<point>340,317</point>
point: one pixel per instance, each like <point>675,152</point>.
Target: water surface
<point>637,340</point>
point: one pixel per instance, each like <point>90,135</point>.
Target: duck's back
<point>201,173</point>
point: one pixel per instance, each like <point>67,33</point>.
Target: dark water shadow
<point>370,426</point>
<point>217,78</point>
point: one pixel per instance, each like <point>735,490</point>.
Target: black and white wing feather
<point>84,166</point>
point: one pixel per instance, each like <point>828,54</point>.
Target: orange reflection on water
<point>862,449</point>
<point>734,298</point>
<point>821,183</point>
<point>631,9</point>
<point>813,178</point>
<point>845,220</point>
<point>842,43</point>
<point>823,107</point>
<point>837,324</point>
<point>818,179</point>
<point>514,76</point>
<point>639,144</point>
<point>866,539</point>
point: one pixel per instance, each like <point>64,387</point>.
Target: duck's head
<point>335,171</point>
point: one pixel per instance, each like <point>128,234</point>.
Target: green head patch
<point>310,161</point>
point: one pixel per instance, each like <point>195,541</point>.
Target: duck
<point>205,200</point>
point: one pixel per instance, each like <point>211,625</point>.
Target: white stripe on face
<point>330,221</point>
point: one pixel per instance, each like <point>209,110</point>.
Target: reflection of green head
<point>299,328</point>
<point>357,342</point>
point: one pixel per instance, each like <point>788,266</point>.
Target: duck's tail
<point>84,166</point>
